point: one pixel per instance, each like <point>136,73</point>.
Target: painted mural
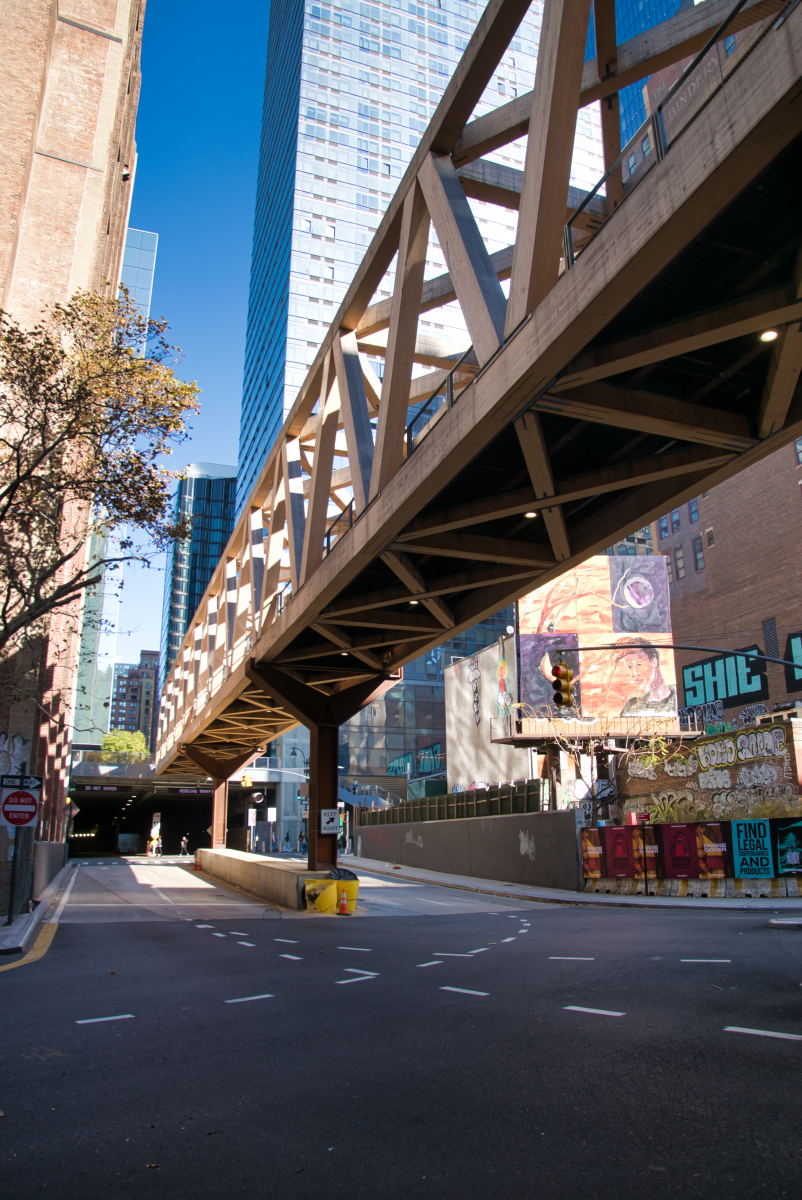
<point>731,776</point>
<point>622,603</point>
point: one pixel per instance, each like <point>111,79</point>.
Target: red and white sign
<point>18,807</point>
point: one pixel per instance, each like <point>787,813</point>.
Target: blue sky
<point>197,138</point>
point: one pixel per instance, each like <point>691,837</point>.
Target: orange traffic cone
<point>342,911</point>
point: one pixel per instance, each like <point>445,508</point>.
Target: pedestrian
<point>158,847</point>
<point>286,846</point>
<point>151,846</point>
<point>185,844</point>
<point>273,843</point>
<point>302,843</point>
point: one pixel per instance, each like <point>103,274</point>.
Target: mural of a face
<point>641,670</point>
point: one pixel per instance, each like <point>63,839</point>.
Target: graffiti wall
<point>478,688</point>
<point>738,775</point>
<point>617,602</point>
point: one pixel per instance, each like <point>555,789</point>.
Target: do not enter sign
<point>18,807</point>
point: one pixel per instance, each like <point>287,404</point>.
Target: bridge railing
<point>697,83</point>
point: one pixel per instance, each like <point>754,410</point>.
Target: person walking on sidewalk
<point>286,847</point>
<point>185,844</point>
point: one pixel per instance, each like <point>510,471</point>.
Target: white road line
<point>481,950</point>
<point>447,954</point>
<point>359,979</point>
<point>361,949</point>
<point>787,1037</point>
<point>568,958</point>
<point>437,962</point>
<point>601,1012</point>
<point>97,1020</point>
<point>464,991</point>
<point>442,903</point>
<point>54,920</point>
<point>523,931</point>
<point>356,971</point>
<point>218,935</point>
<point>237,933</point>
<point>719,960</point>
<point>204,926</point>
<point>512,939</point>
<point>245,999</point>
<point>294,957</point>
<point>246,943</point>
<point>289,941</point>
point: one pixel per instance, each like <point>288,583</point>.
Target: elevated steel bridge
<point>625,374</point>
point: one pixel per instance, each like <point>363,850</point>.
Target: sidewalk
<point>17,937</point>
<point>520,891</point>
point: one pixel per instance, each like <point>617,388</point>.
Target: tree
<point>89,405</point>
<point>123,745</point>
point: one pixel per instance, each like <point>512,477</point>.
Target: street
<point>181,1040</point>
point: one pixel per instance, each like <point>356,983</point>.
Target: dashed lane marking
<point>245,999</point>
<point>599,1012</point>
<point>437,962</point>
<point>218,935</point>
<point>359,979</point>
<point>786,1037</point>
<point>464,991</point>
<point>568,958</point>
<point>360,949</point>
<point>294,957</point>
<point>356,971</point>
<point>288,941</point>
<point>512,939</point>
<point>448,954</point>
<point>97,1020</point>
<point>713,960</point>
<point>246,944</point>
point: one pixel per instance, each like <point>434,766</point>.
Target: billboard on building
<point>620,602</point>
<point>477,689</point>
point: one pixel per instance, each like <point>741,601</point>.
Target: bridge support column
<point>322,714</point>
<point>220,815</point>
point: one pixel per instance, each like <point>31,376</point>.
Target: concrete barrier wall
<point>276,882</point>
<point>541,849</point>
<point>48,859</point>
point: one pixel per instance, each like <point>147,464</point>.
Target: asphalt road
<point>420,1051</point>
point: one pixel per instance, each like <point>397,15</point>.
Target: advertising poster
<point>618,602</point>
<point>652,850</point>
<point>680,856</point>
<point>711,850</point>
<point>751,848</point>
<point>592,854</point>
<point>789,847</point>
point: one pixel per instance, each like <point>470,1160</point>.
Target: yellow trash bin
<point>351,888</point>
<point>321,894</point>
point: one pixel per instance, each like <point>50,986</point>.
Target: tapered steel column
<point>323,793</point>
<point>220,815</point>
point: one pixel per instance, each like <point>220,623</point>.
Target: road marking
<point>289,941</point>
<point>568,958</point>
<point>442,903</point>
<point>601,1012</point>
<point>359,979</point>
<point>464,991</point>
<point>294,957</point>
<point>97,1020</point>
<point>245,999</point>
<point>237,933</point>
<point>361,949</point>
<point>481,950</point>
<point>719,960</point>
<point>437,962</point>
<point>788,1037</point>
<point>447,954</point>
<point>246,943</point>
<point>218,935</point>
<point>204,926</point>
<point>356,971</point>
<point>512,939</point>
<point>523,931</point>
<point>39,949</point>
<point>54,920</point>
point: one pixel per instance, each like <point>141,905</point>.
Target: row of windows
<point>675,559</point>
<point>693,517</point>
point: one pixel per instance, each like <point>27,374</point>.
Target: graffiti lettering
<point>715,779</point>
<point>678,768</point>
<point>639,770</point>
<point>757,776</point>
<point>764,743</point>
<point>716,754</point>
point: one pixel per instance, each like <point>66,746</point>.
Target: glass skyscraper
<point>139,264</point>
<point>207,497</point>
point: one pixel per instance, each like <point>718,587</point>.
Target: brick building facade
<point>69,78</point>
<point>733,560</point>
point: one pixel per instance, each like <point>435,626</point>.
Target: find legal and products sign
<point>19,800</point>
<point>751,850</point>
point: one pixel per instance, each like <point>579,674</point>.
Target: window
<point>770,639</point>
<point>679,562</point>
<point>663,527</point>
<point>631,164</point>
<point>798,448</point>
<point>674,520</point>
<point>306,226</point>
<point>670,567</point>
<point>711,539</point>
<point>331,231</point>
<point>693,511</point>
<point>698,554</point>
<point>729,44</point>
<point>646,147</point>
<point>328,272</point>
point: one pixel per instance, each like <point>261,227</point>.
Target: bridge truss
<point>624,374</point>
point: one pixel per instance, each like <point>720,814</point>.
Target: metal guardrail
<point>523,796</point>
<point>685,99</point>
<point>337,527</point>
<point>443,396</point>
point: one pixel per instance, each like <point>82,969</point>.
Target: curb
<point>26,936</point>
<point>664,903</point>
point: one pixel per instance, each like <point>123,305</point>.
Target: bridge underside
<point>635,381</point>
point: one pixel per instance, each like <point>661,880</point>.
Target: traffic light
<point>247,780</point>
<point>563,686</point>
